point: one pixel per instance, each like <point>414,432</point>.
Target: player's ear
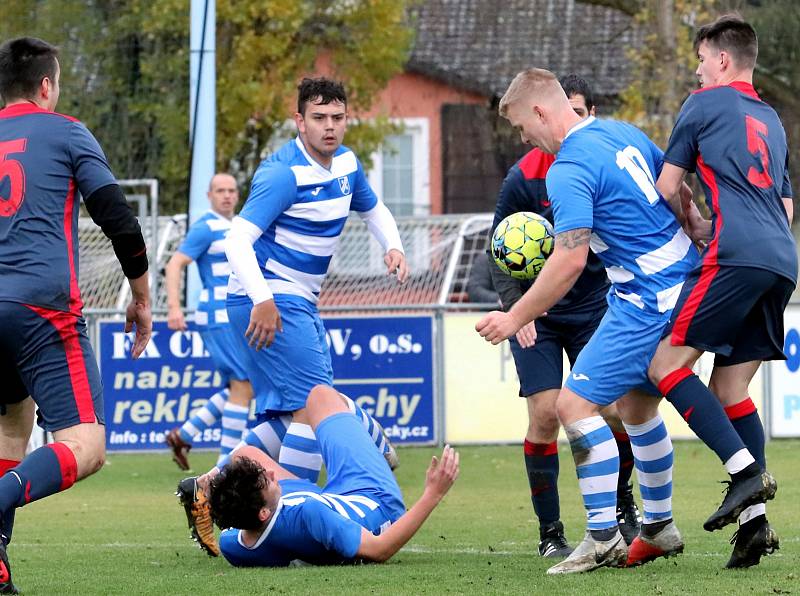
<point>300,122</point>
<point>264,514</point>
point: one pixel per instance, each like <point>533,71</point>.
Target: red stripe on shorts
<point>67,326</point>
<point>710,265</point>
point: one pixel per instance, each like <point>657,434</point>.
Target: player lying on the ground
<point>358,515</point>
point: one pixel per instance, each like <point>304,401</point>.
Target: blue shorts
<point>355,466</point>
<point>46,354</point>
<point>735,312</point>
<point>617,356</point>
<point>540,367</point>
<point>297,360</point>
<point>222,344</point>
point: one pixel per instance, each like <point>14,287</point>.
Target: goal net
<point>440,251</point>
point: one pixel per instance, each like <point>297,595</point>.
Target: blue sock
<point>204,417</point>
<point>541,464</point>
<point>745,420</point>
<point>706,417</point>
<point>300,453</point>
<point>43,472</point>
<point>234,423</point>
<point>7,519</point>
<point>597,465</point>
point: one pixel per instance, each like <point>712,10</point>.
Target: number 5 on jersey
<point>12,169</point>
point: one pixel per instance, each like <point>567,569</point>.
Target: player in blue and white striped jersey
<point>279,248</point>
<point>204,245</point>
<point>602,189</point>
<point>359,514</point>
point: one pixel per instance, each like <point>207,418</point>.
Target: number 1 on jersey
<point>12,169</point>
<point>632,161</point>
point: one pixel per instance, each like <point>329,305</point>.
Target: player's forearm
<point>507,287</point>
<point>172,279</point>
<point>140,289</point>
<point>558,276</point>
<point>383,547</point>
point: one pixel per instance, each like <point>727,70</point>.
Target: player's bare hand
<point>138,316</point>
<point>175,319</point>
<point>697,227</point>
<point>526,336</point>
<point>442,473</point>
<point>497,326</point>
<point>204,481</point>
<point>265,322</point>
<point>396,263</point>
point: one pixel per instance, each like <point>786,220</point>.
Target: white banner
<point>784,392</point>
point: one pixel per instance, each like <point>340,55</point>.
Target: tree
<point>125,72</point>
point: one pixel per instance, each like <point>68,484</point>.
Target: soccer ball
<point>521,243</point>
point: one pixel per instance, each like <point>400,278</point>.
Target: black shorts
<point>46,354</point>
<point>735,312</point>
<point>540,367</point>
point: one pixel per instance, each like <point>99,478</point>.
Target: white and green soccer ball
<point>521,243</point>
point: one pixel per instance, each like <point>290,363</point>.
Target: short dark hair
<point>24,62</point>
<point>733,35</point>
<point>322,89</point>
<point>573,85</point>
<point>236,495</point>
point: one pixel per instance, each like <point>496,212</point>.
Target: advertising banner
<point>481,388</point>
<point>385,364</point>
<point>784,392</point>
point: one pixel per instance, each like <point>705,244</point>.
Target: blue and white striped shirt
<point>301,209</point>
<point>204,243</point>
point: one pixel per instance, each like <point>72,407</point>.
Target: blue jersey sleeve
<point>89,165</point>
<point>571,188</point>
<point>332,530</point>
<point>197,241</point>
<point>683,147</point>
<point>273,191</point>
<point>786,187</point>
<point>364,197</point>
<point>239,556</point>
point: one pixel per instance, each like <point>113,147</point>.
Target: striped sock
<point>374,428</point>
<point>234,424</point>
<point>597,465</point>
<point>205,416</point>
<point>652,453</point>
<point>267,437</point>
<point>300,453</point>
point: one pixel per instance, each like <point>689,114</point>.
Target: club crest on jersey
<point>344,184</point>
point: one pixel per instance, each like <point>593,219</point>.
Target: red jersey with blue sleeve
<point>737,145</point>
<point>45,160</point>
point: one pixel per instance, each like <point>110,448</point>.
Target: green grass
<point>122,531</point>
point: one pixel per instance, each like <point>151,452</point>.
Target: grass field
<point>122,531</point>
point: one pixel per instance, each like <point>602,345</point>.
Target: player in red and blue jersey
<point>46,159</point>
<point>567,328</point>
<point>732,303</point>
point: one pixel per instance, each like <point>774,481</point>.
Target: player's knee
<point>545,424</point>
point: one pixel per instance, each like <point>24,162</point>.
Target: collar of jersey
<point>579,125</point>
<point>219,215</point>
<point>266,531</point>
<point>311,161</point>
<point>21,109</point>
